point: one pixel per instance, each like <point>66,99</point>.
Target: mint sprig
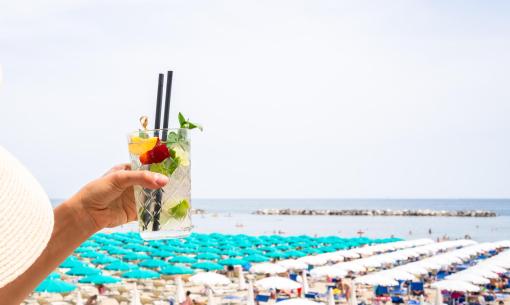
<point>186,124</point>
<point>167,167</point>
<point>180,210</point>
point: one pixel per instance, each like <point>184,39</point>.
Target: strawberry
<point>155,155</point>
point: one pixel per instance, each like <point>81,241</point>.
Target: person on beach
<point>36,238</point>
<point>187,300</point>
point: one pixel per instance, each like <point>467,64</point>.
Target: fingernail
<point>160,179</point>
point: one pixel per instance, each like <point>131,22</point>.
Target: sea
<point>235,216</point>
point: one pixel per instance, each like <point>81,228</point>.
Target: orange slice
<point>140,145</point>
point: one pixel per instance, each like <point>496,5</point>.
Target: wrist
<point>80,216</point>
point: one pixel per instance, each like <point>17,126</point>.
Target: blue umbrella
<point>91,254</point>
<point>173,270</point>
<point>55,286</point>
<point>99,279</point>
<point>70,262</point>
<point>208,266</point>
<point>135,256</point>
<point>161,253</point>
<point>182,259</point>
<point>255,258</point>
<point>84,250</point>
<point>140,274</point>
<point>120,266</point>
<point>208,256</point>
<point>103,260</point>
<point>153,263</point>
<point>233,262</point>
<point>53,276</point>
<point>83,270</point>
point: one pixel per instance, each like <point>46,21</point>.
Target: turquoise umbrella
<point>294,253</point>
<point>208,266</point>
<point>83,270</point>
<point>182,259</point>
<point>55,286</point>
<point>153,263</point>
<point>275,254</point>
<point>135,256</point>
<point>92,254</point>
<point>252,252</point>
<point>70,262</point>
<point>53,276</point>
<point>173,270</point>
<point>118,251</point>
<point>99,279</point>
<point>161,253</point>
<point>233,262</point>
<point>90,244</point>
<point>84,250</point>
<point>255,258</point>
<point>208,256</point>
<point>140,274</point>
<point>232,253</point>
<point>120,266</point>
<point>103,260</point>
<point>210,250</point>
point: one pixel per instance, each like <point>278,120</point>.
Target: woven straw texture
<point>26,218</point>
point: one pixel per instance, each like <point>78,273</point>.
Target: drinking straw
<point>157,203</point>
<point>166,113</point>
<point>168,93</point>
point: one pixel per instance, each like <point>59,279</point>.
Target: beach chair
<point>293,276</point>
<point>397,300</point>
<point>262,298</point>
<point>312,295</point>
<point>441,275</point>
<point>381,291</point>
<point>281,299</point>
<point>413,302</point>
<point>416,288</point>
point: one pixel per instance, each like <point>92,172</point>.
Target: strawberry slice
<point>157,154</point>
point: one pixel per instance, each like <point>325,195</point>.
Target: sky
<point>298,99</point>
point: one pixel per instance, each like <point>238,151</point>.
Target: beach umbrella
<point>161,253</point>
<point>277,282</point>
<point>140,274</point>
<point>252,252</point>
<point>91,254</point>
<point>153,263</point>
<point>83,270</point>
<point>84,250</point>
<point>55,286</point>
<point>103,260</point>
<point>210,297</point>
<point>53,276</point>
<point>251,295</point>
<point>179,293</point>
<point>120,266</point>
<point>375,280</point>
<point>294,253</point>
<point>232,253</point>
<point>304,282</point>
<point>99,279</point>
<point>267,268</point>
<point>331,297</point>
<point>208,256</point>
<point>328,271</point>
<point>438,298</point>
<point>293,264</point>
<point>183,259</point>
<point>233,262</point>
<point>455,285</point>
<point>208,266</point>
<point>209,278</point>
<point>210,250</point>
<point>298,301</point>
<point>118,251</point>
<point>314,260</point>
<point>256,258</point>
<point>275,254</point>
<point>470,278</point>
<point>70,262</point>
<point>135,256</point>
<point>175,269</point>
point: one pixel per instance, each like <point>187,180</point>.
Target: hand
<point>109,201</point>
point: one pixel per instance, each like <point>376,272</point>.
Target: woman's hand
<point>109,201</point>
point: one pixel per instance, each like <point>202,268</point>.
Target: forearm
<point>72,227</point>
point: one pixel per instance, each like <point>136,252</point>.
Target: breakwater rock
<point>377,212</point>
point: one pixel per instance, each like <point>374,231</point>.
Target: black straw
<point>168,94</point>
<point>157,120</point>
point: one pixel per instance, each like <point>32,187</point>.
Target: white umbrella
<point>209,278</point>
<point>438,300</point>
<point>210,297</point>
<point>314,260</point>
<point>331,297</point>
<point>398,275</point>
<point>470,278</point>
<point>242,282</point>
<point>350,266</point>
<point>267,268</point>
<point>180,295</point>
<point>374,280</point>
<point>293,264</point>
<point>304,282</point>
<point>353,300</point>
<point>328,271</point>
<point>135,297</point>
<point>482,272</point>
<point>491,267</point>
<point>277,282</point>
<point>298,301</point>
<point>455,285</point>
<point>414,269</point>
<point>251,296</point>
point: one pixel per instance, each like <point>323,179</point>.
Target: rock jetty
<point>368,212</point>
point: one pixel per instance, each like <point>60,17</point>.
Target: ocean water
<point>234,216</point>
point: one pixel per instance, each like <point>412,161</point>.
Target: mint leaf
<point>180,210</point>
<point>167,167</point>
<point>186,124</point>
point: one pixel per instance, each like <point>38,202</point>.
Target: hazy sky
<point>298,98</point>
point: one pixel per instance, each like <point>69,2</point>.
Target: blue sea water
<point>234,216</point>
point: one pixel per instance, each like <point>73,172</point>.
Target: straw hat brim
<point>26,218</point>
